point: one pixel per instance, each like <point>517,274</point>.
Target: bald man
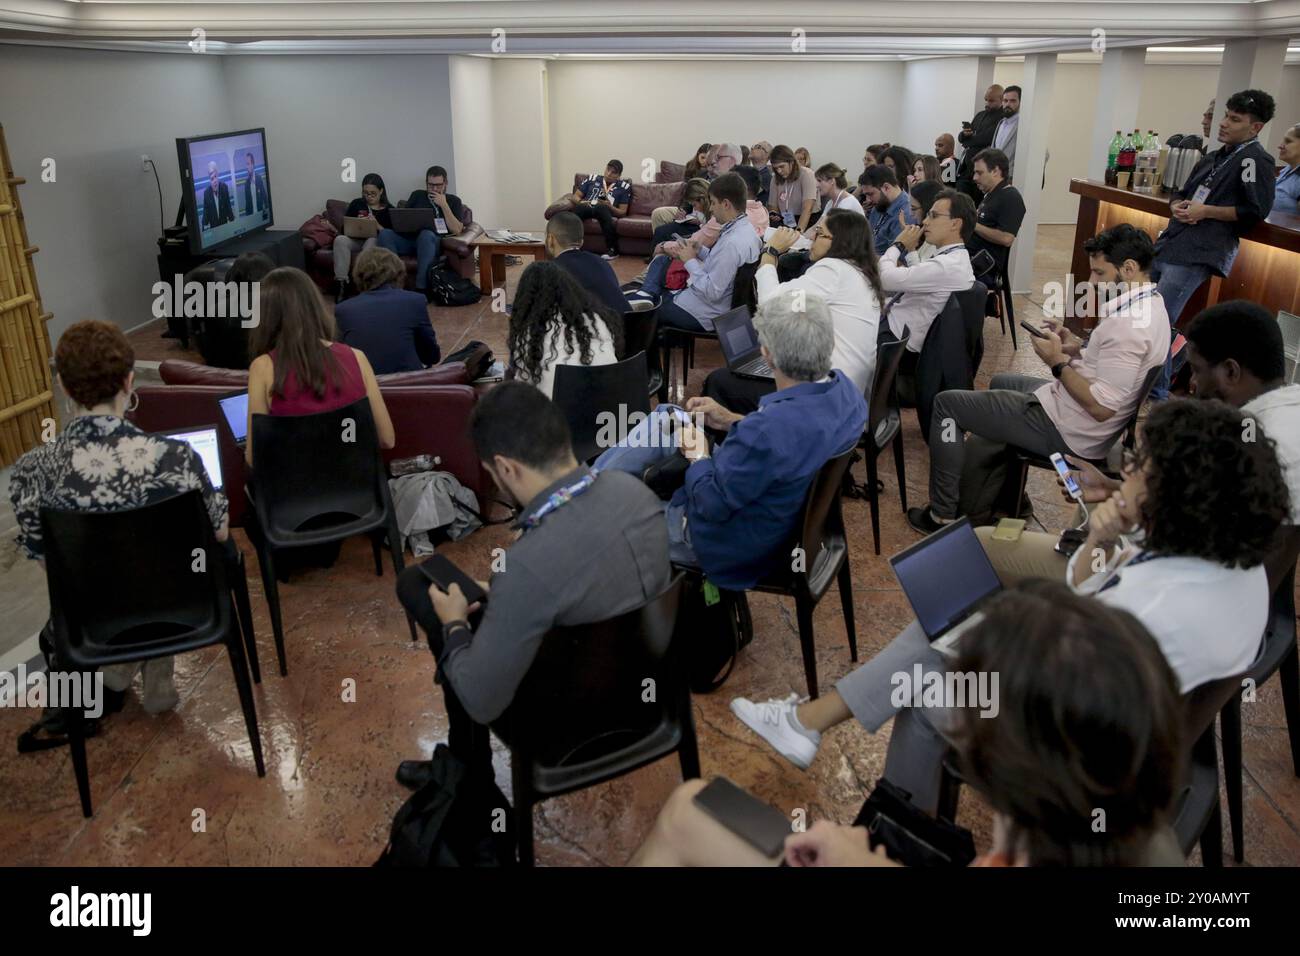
<point>978,135</point>
<point>216,200</point>
<point>944,146</point>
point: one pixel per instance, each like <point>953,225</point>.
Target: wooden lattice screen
<point>26,396</point>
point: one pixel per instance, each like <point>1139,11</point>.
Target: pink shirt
<point>1131,338</point>
<point>708,233</point>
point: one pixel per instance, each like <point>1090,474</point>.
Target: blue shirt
<point>594,186</point>
<point>713,272</point>
<point>884,225</point>
<point>743,504</point>
<point>1287,196</point>
<point>391,326</point>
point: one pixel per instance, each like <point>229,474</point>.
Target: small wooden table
<point>491,261</point>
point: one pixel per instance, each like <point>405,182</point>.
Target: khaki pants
<point>344,249</point>
<point>1033,556</point>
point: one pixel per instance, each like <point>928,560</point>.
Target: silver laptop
<point>946,577</point>
<point>740,345</point>
<point>204,442</point>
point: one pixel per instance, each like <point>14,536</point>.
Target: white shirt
<point>846,200</point>
<point>855,312</point>
<point>1131,339</point>
<point>926,285</point>
<point>1278,413</point>
<point>602,352</point>
<point>1208,619</point>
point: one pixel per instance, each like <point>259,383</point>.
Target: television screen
<point>226,185</point>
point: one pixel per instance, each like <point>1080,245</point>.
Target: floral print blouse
<point>104,463</point>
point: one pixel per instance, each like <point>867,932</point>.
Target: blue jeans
<point>650,443</point>
<point>426,247</point>
<point>1177,284</point>
<point>670,313</point>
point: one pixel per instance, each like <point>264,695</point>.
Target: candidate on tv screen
<point>228,186</point>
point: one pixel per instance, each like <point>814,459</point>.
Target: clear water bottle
<point>411,466</point>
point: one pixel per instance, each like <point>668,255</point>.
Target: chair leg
<point>377,547</point>
<point>688,751</point>
<point>1011,313</point>
<point>1288,673</point>
<point>272,589</point>
<point>244,611</point>
<point>1230,725</point>
<point>873,498</point>
<point>846,601</point>
<point>803,610</point>
<point>399,563</point>
<point>523,811</point>
<point>1020,487</point>
<point>901,467</point>
<point>80,769</point>
<point>949,795</point>
<point>1212,838</point>
<point>239,664</point>
<point>665,372</point>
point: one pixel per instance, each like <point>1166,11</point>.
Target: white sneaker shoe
<point>775,722</point>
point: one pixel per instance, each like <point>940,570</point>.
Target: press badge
<point>440,224</point>
<point>1202,193</point>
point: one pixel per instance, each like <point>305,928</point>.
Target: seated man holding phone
<point>591,547</point>
<point>426,245</point>
<point>1094,389</point>
<point>740,503</point>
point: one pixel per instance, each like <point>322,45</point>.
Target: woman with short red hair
<point>102,462</point>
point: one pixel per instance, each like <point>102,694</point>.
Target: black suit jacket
<point>249,194</point>
<point>217,209</point>
<point>953,350</point>
<point>983,128</point>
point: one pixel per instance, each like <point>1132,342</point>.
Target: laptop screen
<point>944,576</point>
<point>235,408</point>
<point>204,441</point>
<point>736,335</point>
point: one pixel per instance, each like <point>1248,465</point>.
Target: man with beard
<point>1004,138</point>
<point>590,548</point>
<point>885,202</point>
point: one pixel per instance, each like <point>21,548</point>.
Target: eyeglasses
<point>938,215</point>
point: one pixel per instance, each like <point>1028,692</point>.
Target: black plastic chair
<point>581,716</point>
<point>319,479</point>
<point>744,291</point>
<point>641,334</point>
<point>884,427</point>
<point>1002,305</point>
<point>586,393</point>
<point>127,586</point>
<point>1280,656</point>
<point>825,559</point>
<point>1199,818</point>
<point>1028,459</point>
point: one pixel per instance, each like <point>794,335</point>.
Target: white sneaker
<point>609,255</point>
<point>775,722</point>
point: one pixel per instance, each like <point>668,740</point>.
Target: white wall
<point>936,99</point>
<point>94,113</point>
<point>474,135</point>
<point>656,109</point>
<point>392,114</point>
<point>519,109</point>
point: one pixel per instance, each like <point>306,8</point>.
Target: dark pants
<point>466,739</point>
<point>735,392</point>
<point>603,215</point>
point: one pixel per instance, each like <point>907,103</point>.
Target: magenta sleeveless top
<point>344,386</point>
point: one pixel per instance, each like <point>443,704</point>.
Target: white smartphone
<point>1067,476</point>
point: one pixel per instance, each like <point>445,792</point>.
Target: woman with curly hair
<point>1180,545</point>
<point>554,322</point>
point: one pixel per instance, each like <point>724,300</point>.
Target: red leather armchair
<point>457,249</point>
<point>430,410</point>
<point>634,229</point>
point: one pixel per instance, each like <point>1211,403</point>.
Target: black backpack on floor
<point>712,634</point>
<point>448,288</point>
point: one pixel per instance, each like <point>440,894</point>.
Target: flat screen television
<point>225,185</point>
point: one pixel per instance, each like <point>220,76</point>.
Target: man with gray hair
<point>217,208</point>
<point>740,502</point>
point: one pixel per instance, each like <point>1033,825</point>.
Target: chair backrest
<point>822,523</point>
<point>586,393</point>
<point>1130,427</point>
<point>883,398</point>
<point>1202,704</point>
<point>744,290</point>
<point>310,467</point>
<point>953,349</point>
<point>1290,325</point>
<point>1280,563</point>
<point>585,697</point>
<point>639,328</point>
<point>140,579</point>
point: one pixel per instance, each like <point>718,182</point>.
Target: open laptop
<point>235,409</point>
<point>360,227</point>
<point>740,346</point>
<point>946,577</point>
<point>204,441</point>
<point>413,220</point>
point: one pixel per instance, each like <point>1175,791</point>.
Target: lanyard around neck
<point>557,500</point>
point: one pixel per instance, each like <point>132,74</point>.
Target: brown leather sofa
<point>457,249</point>
<point>634,229</point>
<point>430,410</point>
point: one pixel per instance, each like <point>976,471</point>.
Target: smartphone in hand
<point>1033,330</point>
<point>443,573</point>
<point>1067,477</point>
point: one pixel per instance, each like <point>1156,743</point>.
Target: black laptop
<point>947,577</point>
<point>740,345</point>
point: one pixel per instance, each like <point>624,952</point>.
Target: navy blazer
<point>391,326</point>
<point>596,276</point>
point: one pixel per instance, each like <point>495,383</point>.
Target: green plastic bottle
<point>1115,145</point>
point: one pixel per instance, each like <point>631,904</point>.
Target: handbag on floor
<point>448,288</point>
<point>713,626</point>
<point>910,836</point>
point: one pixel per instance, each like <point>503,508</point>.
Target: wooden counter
<point>1266,270</point>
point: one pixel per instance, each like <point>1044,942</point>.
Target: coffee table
<point>491,261</point>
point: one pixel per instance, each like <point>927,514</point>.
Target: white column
<point>983,80</point>
<point>1039,78</point>
<point>1117,102</point>
<point>1249,63</point>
